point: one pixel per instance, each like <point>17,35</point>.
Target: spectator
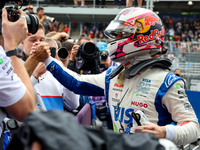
<point>66,28</point>
<point>171,56</point>
<point>72,62</point>
<point>171,31</point>
<point>52,93</point>
<point>191,35</point>
<point>170,21</point>
<point>61,36</point>
<point>178,34</point>
<point>152,89</point>
<point>85,30</point>
<point>116,3</point>
<point>82,3</point>
<point>68,46</point>
<point>183,46</point>
<point>17,94</point>
<point>48,25</point>
<point>102,3</point>
<point>129,3</point>
<point>30,9</point>
<point>61,27</point>
<point>179,24</point>
<point>178,73</point>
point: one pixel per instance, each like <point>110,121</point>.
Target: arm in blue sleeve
<point>68,81</point>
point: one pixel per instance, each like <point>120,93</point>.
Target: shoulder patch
<point>170,78</point>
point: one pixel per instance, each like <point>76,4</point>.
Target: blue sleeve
<point>78,87</point>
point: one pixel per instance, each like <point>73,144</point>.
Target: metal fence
<point>186,56</point>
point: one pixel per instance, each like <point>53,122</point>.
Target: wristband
<point>35,76</point>
<point>15,52</point>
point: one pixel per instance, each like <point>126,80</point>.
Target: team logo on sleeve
<point>170,78</point>
<point>188,106</point>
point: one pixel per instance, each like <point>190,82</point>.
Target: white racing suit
<point>158,93</point>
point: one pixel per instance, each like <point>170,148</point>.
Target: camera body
<point>32,20</point>
<point>88,57</point>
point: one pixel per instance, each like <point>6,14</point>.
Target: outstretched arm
<point>91,85</point>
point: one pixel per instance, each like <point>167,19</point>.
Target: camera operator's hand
<point>106,62</point>
<point>40,51</point>
<point>30,8</point>
<point>61,35</point>
<point>73,52</point>
<point>14,32</point>
<point>36,146</point>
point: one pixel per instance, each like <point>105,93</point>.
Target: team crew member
<point>16,90</point>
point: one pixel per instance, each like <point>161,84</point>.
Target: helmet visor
<point>115,27</point>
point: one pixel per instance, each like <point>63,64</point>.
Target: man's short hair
<point>85,38</point>
<point>58,43</point>
<point>40,8</point>
<point>68,45</point>
<point>50,40</point>
<point>50,34</point>
<point>41,27</point>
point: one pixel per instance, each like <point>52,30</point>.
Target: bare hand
<point>40,51</point>
<point>158,131</point>
<point>106,62</point>
<point>40,69</point>
<point>14,32</point>
<point>64,35</point>
<point>44,18</point>
<point>36,146</point>
<point>61,35</point>
<point>30,8</point>
<point>73,52</point>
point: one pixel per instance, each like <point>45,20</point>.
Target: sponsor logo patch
<point>139,104</point>
<point>1,61</point>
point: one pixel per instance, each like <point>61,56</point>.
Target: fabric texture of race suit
<point>158,93</point>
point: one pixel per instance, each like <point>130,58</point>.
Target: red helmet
<point>142,33</point>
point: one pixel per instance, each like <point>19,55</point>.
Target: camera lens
<point>104,56</point>
<point>89,48</point>
<point>32,23</point>
<point>62,53</point>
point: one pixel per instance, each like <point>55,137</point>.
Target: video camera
<point>32,20</point>
<point>88,57</point>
